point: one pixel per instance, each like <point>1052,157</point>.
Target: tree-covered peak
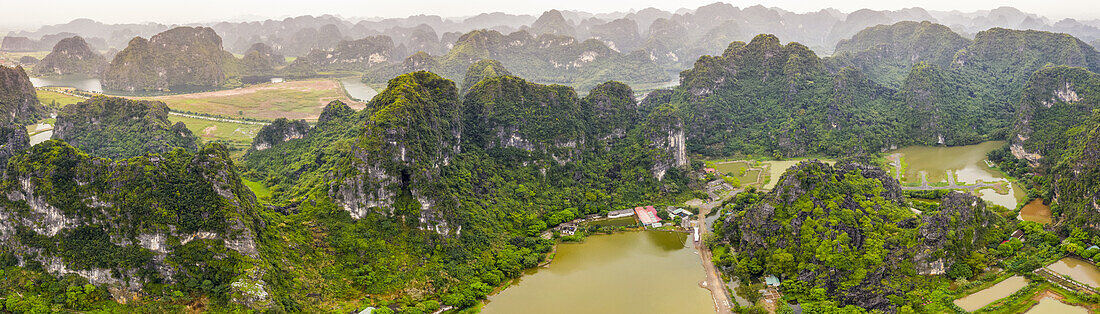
<point>480,70</point>
<point>507,111</point>
<point>1025,51</point>
<point>333,110</point>
<point>114,127</point>
<point>552,22</point>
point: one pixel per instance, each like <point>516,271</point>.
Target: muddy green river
<point>965,164</point>
<point>630,272</point>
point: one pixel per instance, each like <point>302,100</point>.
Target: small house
<point>771,280</point>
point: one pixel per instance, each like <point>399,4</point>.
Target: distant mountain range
<point>819,30</point>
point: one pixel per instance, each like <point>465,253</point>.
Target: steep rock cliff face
<point>613,112</point>
<point>961,226</point>
<point>128,222</point>
<point>847,229</point>
<point>71,56</point>
<point>13,141</point>
<point>1054,101</point>
<point>510,112</point>
<point>18,100</point>
<point>1075,178</point>
<point>116,128</point>
<point>413,130</point>
<point>179,57</point>
<point>280,130</point>
<point>664,133</point>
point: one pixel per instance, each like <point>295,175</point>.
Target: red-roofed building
<point>648,216</point>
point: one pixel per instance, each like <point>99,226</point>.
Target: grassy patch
<point>237,137</point>
<point>55,99</point>
<point>258,188</point>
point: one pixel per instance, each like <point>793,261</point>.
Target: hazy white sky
<point>29,14</point>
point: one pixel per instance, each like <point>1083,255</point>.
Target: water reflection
<point>965,164</point>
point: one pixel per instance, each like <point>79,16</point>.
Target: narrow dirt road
<point>722,302</point>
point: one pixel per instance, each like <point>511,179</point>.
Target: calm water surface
<point>631,272</point>
<point>1050,305</point>
<point>75,81</point>
<point>1077,269</point>
<point>996,292</point>
<point>357,90</point>
<point>1036,211</point>
<point>965,163</point>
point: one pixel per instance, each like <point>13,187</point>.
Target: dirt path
<point>722,302</point>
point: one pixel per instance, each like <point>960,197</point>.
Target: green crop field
<point>293,100</point>
<point>56,100</point>
<point>236,136</point>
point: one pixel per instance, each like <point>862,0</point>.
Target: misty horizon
<point>206,12</point>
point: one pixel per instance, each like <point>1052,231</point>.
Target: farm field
<point>292,100</point>
<point>236,136</point>
<point>55,99</point>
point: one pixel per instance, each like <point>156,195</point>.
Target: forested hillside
<point>436,194</point>
<point>71,56</point>
<point>18,100</point>
<point>843,235</point>
<point>179,58</point>
<point>119,128</point>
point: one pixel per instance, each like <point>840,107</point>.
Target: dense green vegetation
<point>843,235</point>
<point>179,223</point>
<point>887,52</point>
<point>120,128</point>
<point>18,101</point>
<point>764,98</point>
<point>388,188</point>
<point>434,196</point>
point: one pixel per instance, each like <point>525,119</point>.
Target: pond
<point>966,165</point>
<point>996,292</point>
<point>1077,269</point>
<point>357,90</point>
<point>1052,305</point>
<point>1036,211</point>
<point>630,272</point>
<point>81,82</point>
